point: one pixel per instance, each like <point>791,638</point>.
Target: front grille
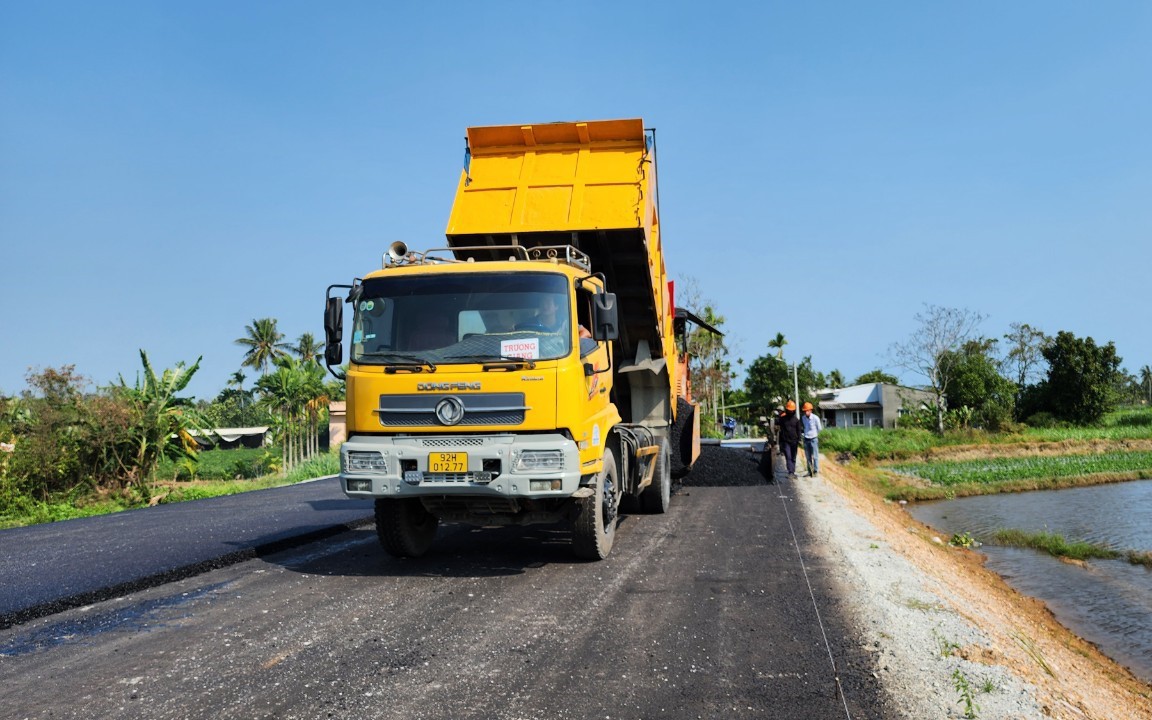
<point>452,442</point>
<point>479,409</point>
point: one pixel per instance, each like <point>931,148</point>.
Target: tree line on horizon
<point>1025,377</point>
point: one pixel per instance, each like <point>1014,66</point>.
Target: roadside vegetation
<point>68,449</point>
<point>1116,465</point>
<point>917,464</point>
<point>34,512</point>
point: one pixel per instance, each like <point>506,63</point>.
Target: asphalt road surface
<point>50,567</point>
<point>721,608</point>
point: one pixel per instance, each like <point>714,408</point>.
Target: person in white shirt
<point>812,428</point>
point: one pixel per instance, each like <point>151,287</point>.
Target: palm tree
<point>308,347</point>
<point>835,379</point>
<point>296,395</point>
<point>777,343</point>
<point>238,379</point>
<point>282,392</point>
<point>264,343</point>
<point>1146,380</point>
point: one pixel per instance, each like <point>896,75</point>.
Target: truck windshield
<point>462,318</point>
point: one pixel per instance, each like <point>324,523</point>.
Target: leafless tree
<point>1025,352</point>
<point>933,348</point>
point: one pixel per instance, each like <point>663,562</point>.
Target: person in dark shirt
<point>790,430</point>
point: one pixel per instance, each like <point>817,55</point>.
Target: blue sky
<point>170,172</point>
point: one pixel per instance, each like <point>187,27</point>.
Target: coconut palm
<point>296,395</point>
<point>237,378</point>
<point>264,343</point>
<point>308,347</point>
<point>1146,380</point>
<point>777,343</point>
<point>282,393</point>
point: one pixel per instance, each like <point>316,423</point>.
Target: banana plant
<point>161,416</point>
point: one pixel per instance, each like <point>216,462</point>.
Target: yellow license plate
<point>448,462</point>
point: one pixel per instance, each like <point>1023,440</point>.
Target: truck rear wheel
<point>595,527</point>
<point>656,498</point>
<point>405,528</point>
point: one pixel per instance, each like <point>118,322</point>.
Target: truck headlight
<point>365,461</point>
<point>534,460</point>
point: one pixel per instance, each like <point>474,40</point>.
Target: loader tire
<point>594,529</point>
<point>405,528</point>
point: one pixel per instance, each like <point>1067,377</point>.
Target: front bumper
<point>398,466</point>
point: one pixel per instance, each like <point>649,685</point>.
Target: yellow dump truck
<point>532,370</point>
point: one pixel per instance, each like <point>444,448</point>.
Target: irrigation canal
<point>1108,602</point>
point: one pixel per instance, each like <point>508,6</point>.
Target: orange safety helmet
<point>790,405</point>
<point>807,406</point>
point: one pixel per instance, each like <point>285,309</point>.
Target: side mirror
<point>605,317</point>
<point>333,331</point>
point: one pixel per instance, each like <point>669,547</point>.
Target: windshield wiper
<point>413,363</point>
<point>489,358</point>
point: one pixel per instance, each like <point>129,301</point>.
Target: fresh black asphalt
<point>51,567</point>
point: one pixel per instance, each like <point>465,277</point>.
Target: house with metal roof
<point>874,405</point>
<point>232,438</point>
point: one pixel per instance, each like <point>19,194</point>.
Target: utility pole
<point>796,385</point>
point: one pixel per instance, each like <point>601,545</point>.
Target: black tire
<point>594,530</point>
<point>656,498</point>
<point>405,528</point>
<point>680,439</point>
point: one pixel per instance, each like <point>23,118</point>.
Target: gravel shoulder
<point>939,622</point>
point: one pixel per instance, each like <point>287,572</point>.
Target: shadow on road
<point>460,551</point>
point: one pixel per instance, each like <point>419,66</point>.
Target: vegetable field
<point>1135,465</point>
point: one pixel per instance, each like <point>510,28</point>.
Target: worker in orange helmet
<point>790,431</point>
<point>812,428</point>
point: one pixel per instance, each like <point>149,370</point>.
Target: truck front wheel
<point>595,525</point>
<point>405,528</point>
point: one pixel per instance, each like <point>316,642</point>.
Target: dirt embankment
<point>1067,676</point>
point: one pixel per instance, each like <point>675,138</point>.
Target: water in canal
<point>1108,602</point>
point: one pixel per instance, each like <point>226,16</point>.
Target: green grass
<point>901,444</point>
<point>31,512</point>
<point>1134,465</point>
<point>316,467</point>
<point>34,512</point>
<point>218,464</point>
<point>1058,546</point>
<point>883,444</point>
